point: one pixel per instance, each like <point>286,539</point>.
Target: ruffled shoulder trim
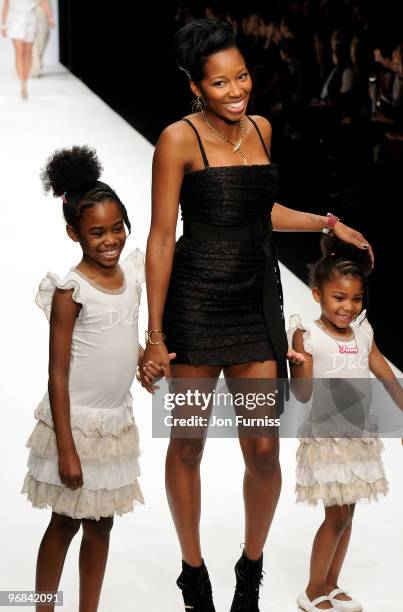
<point>48,286</point>
<point>295,322</point>
<point>362,324</point>
<point>135,260</point>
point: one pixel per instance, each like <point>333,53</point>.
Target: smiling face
<point>101,233</point>
<point>226,85</point>
<point>341,301</point>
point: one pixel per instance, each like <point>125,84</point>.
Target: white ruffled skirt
<point>340,471</point>
<point>107,442</point>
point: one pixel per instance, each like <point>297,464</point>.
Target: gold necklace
<point>237,146</point>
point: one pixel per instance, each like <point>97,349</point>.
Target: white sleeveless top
<point>333,357</point>
<point>337,359</point>
<point>104,350</point>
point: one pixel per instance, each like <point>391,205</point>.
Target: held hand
<point>295,358</point>
<point>159,356</point>
<point>151,373</point>
<point>351,236</point>
<point>70,469</point>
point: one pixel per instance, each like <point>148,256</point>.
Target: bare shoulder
<point>177,133</point>
<point>264,126</point>
<point>177,142</point>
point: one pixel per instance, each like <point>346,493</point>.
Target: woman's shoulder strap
<point>266,149</point>
<point>202,151</point>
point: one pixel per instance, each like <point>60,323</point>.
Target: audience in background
<point>322,72</point>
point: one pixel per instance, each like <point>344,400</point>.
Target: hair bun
<point>341,251</point>
<point>199,39</point>
<point>72,171</point>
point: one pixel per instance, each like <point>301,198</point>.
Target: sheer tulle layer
<point>92,421</point>
<point>312,452</point>
<point>340,471</point>
<point>337,494</point>
<point>82,503</point>
<point>116,473</point>
<point>42,442</point>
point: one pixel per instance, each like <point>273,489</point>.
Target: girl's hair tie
<point>64,198</point>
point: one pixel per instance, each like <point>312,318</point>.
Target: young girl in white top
<point>337,471</point>
<point>84,449</point>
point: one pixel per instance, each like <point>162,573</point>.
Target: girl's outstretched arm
<point>62,320</point>
<point>382,370</point>
<point>301,373</point>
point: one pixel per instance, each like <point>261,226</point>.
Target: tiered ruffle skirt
<point>107,443</point>
<point>340,471</point>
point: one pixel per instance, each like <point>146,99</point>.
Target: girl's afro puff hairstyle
<point>74,174</point>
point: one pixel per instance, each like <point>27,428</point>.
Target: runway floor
<point>144,556</point>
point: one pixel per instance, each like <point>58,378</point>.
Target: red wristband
<point>330,223</point>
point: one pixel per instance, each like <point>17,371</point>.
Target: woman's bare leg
<point>19,58</point>
<point>27,50</point>
<point>182,475</point>
<point>23,61</point>
<point>52,553</point>
<point>262,479</point>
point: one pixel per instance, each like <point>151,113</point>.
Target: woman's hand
<point>351,236</point>
<point>294,357</point>
<point>70,469</point>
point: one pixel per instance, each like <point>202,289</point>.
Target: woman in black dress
<point>214,297</point>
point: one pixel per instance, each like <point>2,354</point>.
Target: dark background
<point>122,51</point>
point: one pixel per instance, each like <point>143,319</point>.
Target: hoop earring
<point>197,105</point>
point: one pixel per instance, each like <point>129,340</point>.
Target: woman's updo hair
<point>197,40</point>
<point>73,174</point>
<point>342,259</point>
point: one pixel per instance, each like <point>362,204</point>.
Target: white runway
<point>144,557</point>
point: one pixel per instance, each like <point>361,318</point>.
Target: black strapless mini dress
<point>224,303</point>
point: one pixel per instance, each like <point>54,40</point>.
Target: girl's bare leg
<point>325,545</point>
<point>52,553</point>
<point>93,556</point>
<point>338,559</point>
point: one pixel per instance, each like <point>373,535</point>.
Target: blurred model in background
<point>19,21</point>
<point>41,40</point>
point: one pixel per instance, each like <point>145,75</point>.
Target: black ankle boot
<point>195,585</point>
<point>249,576</point>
